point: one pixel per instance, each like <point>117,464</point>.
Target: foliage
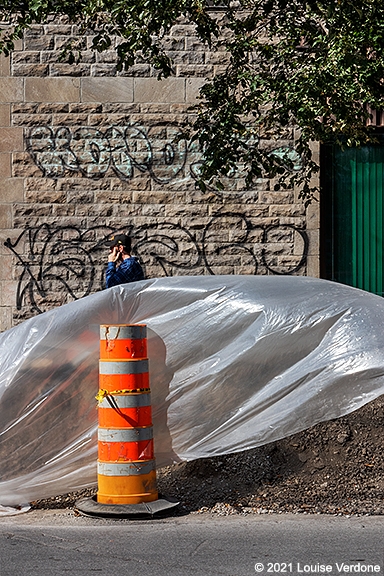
<point>315,66</point>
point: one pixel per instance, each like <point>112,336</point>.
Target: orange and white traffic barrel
<point>126,462</point>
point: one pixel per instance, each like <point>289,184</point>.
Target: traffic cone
<point>126,463</point>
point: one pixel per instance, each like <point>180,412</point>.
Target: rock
<point>281,476</point>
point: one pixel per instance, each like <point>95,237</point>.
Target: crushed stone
<point>335,467</point>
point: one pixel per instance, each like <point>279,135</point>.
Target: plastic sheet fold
<point>235,362</point>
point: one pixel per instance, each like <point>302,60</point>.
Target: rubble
<point>336,467</point>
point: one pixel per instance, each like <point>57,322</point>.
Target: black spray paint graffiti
<point>126,150</point>
<point>65,263</point>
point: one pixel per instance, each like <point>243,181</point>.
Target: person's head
<point>120,241</point>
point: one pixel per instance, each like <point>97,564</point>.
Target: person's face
<point>116,250</point>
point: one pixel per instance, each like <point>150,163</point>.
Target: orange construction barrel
<point>126,463</point>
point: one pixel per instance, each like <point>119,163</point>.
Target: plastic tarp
<point>235,362</point>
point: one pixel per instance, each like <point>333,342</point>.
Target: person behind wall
<point>122,267</point>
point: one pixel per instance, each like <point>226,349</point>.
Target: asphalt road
<point>57,543</point>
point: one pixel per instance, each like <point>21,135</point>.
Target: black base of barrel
<point>160,507</point>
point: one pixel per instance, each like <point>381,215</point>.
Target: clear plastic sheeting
<point>235,362</point>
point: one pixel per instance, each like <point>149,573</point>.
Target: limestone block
<point>59,29</point>
<point>38,41</point>
<point>153,90</point>
<point>24,108</point>
<point>23,166</point>
<point>5,216</point>
<point>187,58</point>
<point>313,266</point>
<point>19,45</point>
<point>174,43</point>
<point>10,233</point>
<point>217,58</point>
<point>27,210</point>
<point>5,165</point>
<point>26,57</point>
<point>11,139</point>
<point>314,242</point>
<point>72,184</point>
<point>188,70</point>
<point>61,108</point>
<point>52,89</point>
<point>113,197</point>
<point>11,90</point>
<point>8,292</point>
<point>82,69</point>
<point>61,42</point>
<point>6,267</point>
<point>100,210</point>
<point>106,90</point>
<point>40,184</point>
<point>264,222</point>
<point>127,211</point>
<point>194,44</point>
<point>5,115</point>
<point>138,70</point>
<point>11,189</point>
<point>83,197</point>
<point>84,108</point>
<point>64,210</point>
<point>81,209</point>
<point>70,119</point>
<point>153,210</point>
<point>217,70</point>
<point>31,120</point>
<point>182,109</point>
<point>139,181</point>
<point>171,199</point>
<point>107,57</point>
<point>222,270</point>
<point>271,198</point>
<point>45,197</point>
<point>155,109</point>
<point>103,70</point>
<point>313,215</point>
<point>5,318</point>
<point>193,86</point>
<point>5,65</point>
<point>23,69</point>
<point>120,107</point>
<point>182,30</point>
<point>288,261</point>
<point>287,210</point>
<point>297,222</point>
<point>106,121</point>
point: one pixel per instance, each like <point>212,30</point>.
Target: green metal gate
<point>352,216</point>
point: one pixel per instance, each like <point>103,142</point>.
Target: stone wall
<point>85,151</point>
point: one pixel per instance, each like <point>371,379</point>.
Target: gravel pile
<point>333,468</point>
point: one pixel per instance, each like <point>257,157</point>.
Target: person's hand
<point>114,255</point>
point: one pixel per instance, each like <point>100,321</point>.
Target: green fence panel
<point>352,215</point>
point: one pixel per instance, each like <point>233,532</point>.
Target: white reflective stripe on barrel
<point>125,434</point>
<point>123,367</point>
<point>126,401</point>
<point>126,468</point>
<point>116,332</point>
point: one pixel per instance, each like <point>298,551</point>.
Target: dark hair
<point>127,244</point>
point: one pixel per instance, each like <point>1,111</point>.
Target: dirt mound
<point>336,467</point>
